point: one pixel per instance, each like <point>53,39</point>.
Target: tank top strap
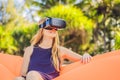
<point>35,45</point>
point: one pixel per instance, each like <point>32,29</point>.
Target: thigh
<point>34,75</point>
<point>19,78</point>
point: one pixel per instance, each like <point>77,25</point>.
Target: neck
<point>46,43</point>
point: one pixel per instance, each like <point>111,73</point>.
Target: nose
<point>54,29</point>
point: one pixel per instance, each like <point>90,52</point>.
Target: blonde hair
<point>37,39</point>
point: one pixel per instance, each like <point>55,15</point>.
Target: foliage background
<point>93,26</point>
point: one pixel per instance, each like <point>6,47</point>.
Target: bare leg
<point>19,78</point>
<point>34,75</point>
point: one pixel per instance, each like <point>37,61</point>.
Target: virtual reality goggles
<point>53,23</point>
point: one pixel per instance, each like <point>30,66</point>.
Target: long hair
<point>37,39</point>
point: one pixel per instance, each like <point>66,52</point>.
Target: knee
<point>19,78</point>
<point>34,75</point>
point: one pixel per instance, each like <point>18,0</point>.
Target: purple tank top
<point>41,60</point>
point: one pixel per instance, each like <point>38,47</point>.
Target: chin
<point>51,36</point>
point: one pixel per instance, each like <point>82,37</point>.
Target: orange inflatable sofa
<point>102,67</point>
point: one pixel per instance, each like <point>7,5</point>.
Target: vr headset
<point>55,23</point>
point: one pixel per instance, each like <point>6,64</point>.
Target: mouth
<point>52,31</point>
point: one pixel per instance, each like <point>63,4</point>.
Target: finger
<point>87,59</point>
<point>82,60</point>
<point>90,58</point>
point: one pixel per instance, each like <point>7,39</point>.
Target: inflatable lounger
<point>102,67</point>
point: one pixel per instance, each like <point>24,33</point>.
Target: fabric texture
<point>41,61</point>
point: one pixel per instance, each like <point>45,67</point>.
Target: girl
<point>42,60</point>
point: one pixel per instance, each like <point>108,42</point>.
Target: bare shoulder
<point>60,48</point>
<point>29,49</point>
<point>63,49</point>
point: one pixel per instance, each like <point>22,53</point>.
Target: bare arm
<point>26,59</point>
<point>69,54</point>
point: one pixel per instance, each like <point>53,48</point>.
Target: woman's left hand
<point>86,58</point>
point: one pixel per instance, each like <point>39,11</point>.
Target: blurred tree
<point>10,36</point>
<point>92,26</point>
<point>37,7</point>
<point>101,12</point>
<point>106,14</point>
<point>79,27</point>
<point>22,35</point>
<point>47,4</point>
<point>4,16</point>
<point>6,40</point>
<point>117,40</point>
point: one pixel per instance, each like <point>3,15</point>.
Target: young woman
<point>42,60</point>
